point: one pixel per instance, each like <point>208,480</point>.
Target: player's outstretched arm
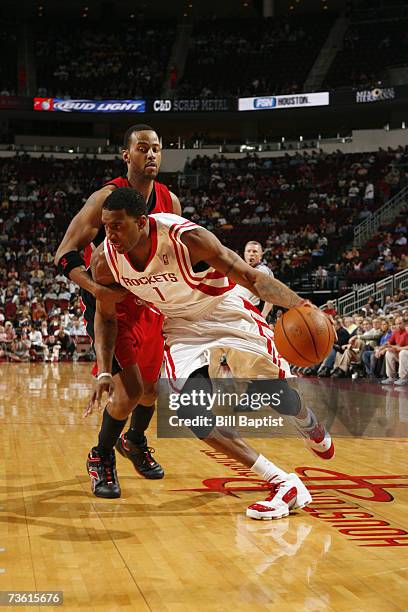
<point>105,316</point>
<point>204,246</point>
<point>81,231</point>
<point>106,329</point>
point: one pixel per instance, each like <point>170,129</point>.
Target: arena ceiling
<point>162,8</point>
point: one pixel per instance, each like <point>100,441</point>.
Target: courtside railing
<point>365,230</point>
<point>352,302</point>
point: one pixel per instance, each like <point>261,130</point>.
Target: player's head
<point>141,151</point>
<point>253,253</point>
<point>124,215</point>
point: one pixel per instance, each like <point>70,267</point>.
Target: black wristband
<point>69,261</point>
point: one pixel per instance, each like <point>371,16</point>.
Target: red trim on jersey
<point>169,359</point>
<point>210,275</point>
<point>214,275</point>
<point>112,260</point>
<point>153,249</point>
<point>207,289</point>
<point>263,324</point>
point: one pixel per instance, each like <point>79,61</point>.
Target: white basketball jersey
<point>168,280</point>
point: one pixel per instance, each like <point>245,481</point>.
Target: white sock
<point>308,422</point>
<point>268,470</point>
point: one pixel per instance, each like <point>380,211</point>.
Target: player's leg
<point>147,350</point>
<point>248,365</point>
<point>135,324</point>
<point>255,356</point>
<point>133,443</point>
<point>287,492</point>
<point>391,365</point>
<point>101,461</point>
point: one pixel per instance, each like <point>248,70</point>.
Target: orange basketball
<point>304,336</point>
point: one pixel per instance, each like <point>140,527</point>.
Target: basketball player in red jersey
<point>139,348</point>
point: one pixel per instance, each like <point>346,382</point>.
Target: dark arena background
<point>282,123</point>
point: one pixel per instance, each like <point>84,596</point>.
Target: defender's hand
<point>103,385</point>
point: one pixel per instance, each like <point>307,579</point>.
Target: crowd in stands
<point>371,344</point>
<point>39,197</point>
<point>266,51</point>
<point>110,60</point>
<point>368,48</point>
<point>302,208</point>
<point>129,59</point>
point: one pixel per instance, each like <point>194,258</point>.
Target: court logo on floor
<point>333,499</point>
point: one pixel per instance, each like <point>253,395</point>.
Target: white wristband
<point>102,374</point>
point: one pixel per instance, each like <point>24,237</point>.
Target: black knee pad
<point>203,420</point>
<point>285,399</point>
<point>291,403</point>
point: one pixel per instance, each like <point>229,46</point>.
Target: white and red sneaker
<point>285,496</point>
<point>318,440</point>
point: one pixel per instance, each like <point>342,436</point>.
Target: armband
<point>69,261</point>
<point>103,374</point>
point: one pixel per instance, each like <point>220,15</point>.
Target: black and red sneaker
<point>102,472</point>
<point>141,457</point>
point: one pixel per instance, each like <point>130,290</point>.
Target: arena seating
<point>300,207</point>
<point>110,60</point>
<point>8,64</point>
<point>368,48</point>
<point>250,57</point>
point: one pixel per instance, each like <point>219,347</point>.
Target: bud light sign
<point>90,106</point>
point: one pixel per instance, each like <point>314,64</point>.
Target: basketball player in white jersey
<point>183,269</point>
<point>253,253</point>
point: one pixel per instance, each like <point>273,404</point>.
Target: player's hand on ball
<point>306,303</point>
<point>104,385</point>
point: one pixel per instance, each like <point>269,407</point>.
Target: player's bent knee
<point>282,398</point>
<point>198,419</point>
<point>290,402</point>
<point>149,396</point>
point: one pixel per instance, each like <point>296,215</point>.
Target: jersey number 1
<point>161,296</point>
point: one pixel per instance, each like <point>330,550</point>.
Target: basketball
<point>304,336</point>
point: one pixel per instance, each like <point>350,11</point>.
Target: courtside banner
<point>195,105</point>
<point>275,102</point>
<point>14,103</point>
<point>90,106</point>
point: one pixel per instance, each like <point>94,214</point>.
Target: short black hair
<point>138,127</point>
<point>125,198</point>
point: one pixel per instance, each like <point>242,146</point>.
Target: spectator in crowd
<point>76,327</point>
<point>67,345</point>
<point>373,360</point>
<point>343,337</point>
<point>19,350</point>
<point>396,355</point>
<point>353,350</point>
<point>330,309</point>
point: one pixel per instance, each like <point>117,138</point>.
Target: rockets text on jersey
<point>169,280</point>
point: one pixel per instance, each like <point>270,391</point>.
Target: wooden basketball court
<point>184,543</point>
